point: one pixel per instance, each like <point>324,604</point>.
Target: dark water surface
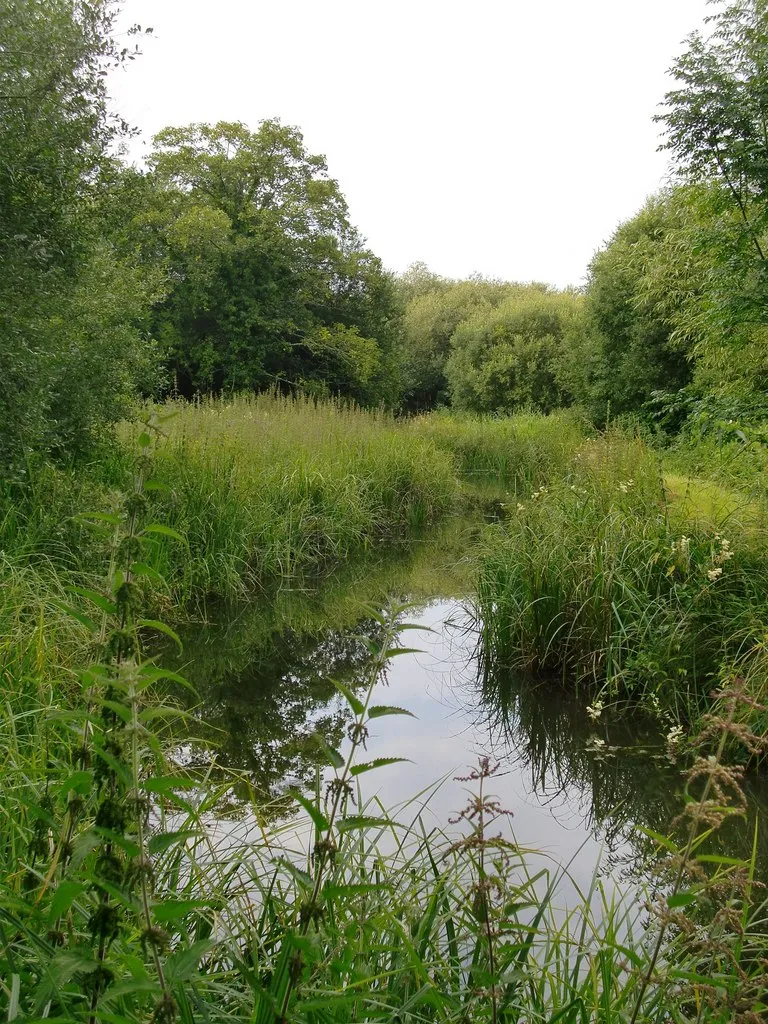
<point>580,790</point>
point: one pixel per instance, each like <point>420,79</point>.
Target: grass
<point>125,898</point>
<point>607,579</point>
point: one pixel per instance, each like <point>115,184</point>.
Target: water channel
<point>581,791</point>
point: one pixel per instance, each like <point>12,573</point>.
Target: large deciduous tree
<point>507,358</point>
<point>270,283</point>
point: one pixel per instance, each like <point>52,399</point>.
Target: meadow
<point>609,570</point>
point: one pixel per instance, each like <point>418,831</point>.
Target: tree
<point>63,290</point>
<point>434,309</point>
<point>715,127</point>
<point>506,358</point>
<point>639,287</point>
<point>270,282</point>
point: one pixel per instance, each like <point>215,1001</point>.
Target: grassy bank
<point>137,886</point>
<point>631,583</point>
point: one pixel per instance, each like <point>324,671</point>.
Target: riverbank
<point>124,898</point>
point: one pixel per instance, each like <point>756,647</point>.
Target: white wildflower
<point>595,710</point>
<point>714,574</point>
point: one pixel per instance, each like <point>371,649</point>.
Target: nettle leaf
<point>681,899</point>
<point>165,840</point>
<point>380,710</point>
<point>164,784</point>
<point>303,877</point>
<point>142,569</point>
<point>101,602</point>
<point>111,518</point>
<point>356,705</point>
<point>335,760</point>
<point>183,964</point>
<point>161,627</point>
<point>79,782</point>
<point>331,892</point>
<point>63,898</point>
<point>317,816</point>
<point>378,762</point>
<point>172,910</point>
<point>157,485</point>
<point>164,531</point>
<point>78,616</point>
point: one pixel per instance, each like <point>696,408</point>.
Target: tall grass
<point>124,896</point>
<point>604,578</point>
<point>525,450</point>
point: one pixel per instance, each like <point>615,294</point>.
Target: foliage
<point>714,122</point>
<point>269,281</point>
<point>72,310</point>
<point>608,579</point>
<point>434,307</point>
<point>636,289</point>
<point>506,358</point>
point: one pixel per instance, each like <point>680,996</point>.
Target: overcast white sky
<point>507,137</point>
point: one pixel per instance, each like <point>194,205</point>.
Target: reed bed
<point>612,580</point>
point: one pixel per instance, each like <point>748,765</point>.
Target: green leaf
<point>331,892</point>
<point>98,517</point>
<point>393,652</point>
<point>184,963</point>
<point>156,485</point>
<point>378,762</point>
<point>657,837</point>
<point>362,821</point>
<point>63,898</point>
<point>79,782</point>
<point>101,602</point>
<point>681,899</point>
<point>301,876</point>
<point>143,440</point>
<point>142,569</point>
<point>171,910</point>
<point>78,616</point>
<point>168,783</point>
<point>161,627</point>
<point>351,699</point>
<point>165,531</point>
<point>380,710</point>
<point>165,840</point>
<point>335,760</point>
<point>317,816</point>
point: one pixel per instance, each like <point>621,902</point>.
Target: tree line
<point>229,262</point>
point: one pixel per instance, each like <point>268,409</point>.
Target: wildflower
<point>595,710</point>
<point>714,574</point>
<point>595,743</point>
<point>520,508</point>
<point>626,485</point>
<point>674,735</point>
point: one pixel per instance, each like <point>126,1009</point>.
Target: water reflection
<point>264,678</point>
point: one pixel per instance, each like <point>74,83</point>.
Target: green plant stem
<point>692,835</point>
<point>357,734</point>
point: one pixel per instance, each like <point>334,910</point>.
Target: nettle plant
<point>85,934</point>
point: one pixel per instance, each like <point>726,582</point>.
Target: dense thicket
<point>73,310</point>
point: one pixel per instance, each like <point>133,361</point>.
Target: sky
<point>502,137</point>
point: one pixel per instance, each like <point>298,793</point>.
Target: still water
<point>580,791</point>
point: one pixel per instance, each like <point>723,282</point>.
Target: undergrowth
<point>124,899</point>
